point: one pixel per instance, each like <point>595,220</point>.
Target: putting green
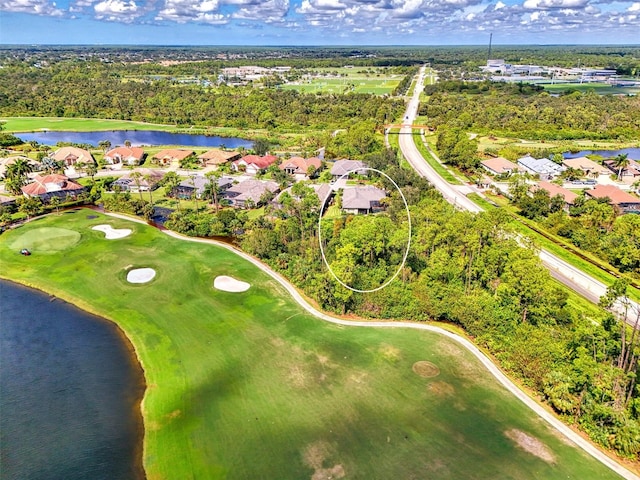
<point>46,240</point>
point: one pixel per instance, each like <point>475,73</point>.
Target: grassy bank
<point>559,247</point>
<point>36,124</point>
<point>436,165</point>
<point>248,385</point>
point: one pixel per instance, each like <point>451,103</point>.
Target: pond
<point>70,389</point>
<point>634,153</point>
<point>136,137</point>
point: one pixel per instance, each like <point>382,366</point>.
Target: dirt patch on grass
<point>425,369</point>
<point>315,456</point>
<point>531,445</point>
<point>441,389</point>
<point>390,353</point>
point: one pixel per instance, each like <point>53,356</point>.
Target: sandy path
<point>542,412</point>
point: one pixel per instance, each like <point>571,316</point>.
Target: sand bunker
<point>141,275</point>
<point>111,233</point>
<point>230,284</point>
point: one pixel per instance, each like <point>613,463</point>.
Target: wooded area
<point>522,111</point>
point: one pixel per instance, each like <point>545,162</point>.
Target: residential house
<point>250,192</point>
<point>362,199</point>
<point>119,156</point>
<point>197,184</point>
<point>72,156</point>
<point>619,198</point>
<point>298,166</point>
<point>217,157</point>
<point>568,196</point>
<point>629,175</point>
<point>149,180</point>
<point>172,155</point>
<point>343,167</point>
<point>588,167</point>
<point>543,167</point>
<point>322,190</point>
<point>7,162</point>
<point>253,164</point>
<point>54,185</point>
<point>499,166</point>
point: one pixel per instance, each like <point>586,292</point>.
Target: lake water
<point>136,137</point>
<point>69,393</point>
<point>634,153</point>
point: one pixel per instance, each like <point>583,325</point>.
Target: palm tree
<point>91,169</point>
<point>171,181</point>
<point>19,169</point>
<point>621,162</point>
<point>104,145</point>
<point>136,176</point>
<point>212,188</point>
<point>149,181</point>
<point>55,203</point>
<point>195,191</point>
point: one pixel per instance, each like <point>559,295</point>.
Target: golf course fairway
<point>248,385</point>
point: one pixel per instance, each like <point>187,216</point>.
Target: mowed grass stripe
<point>250,386</point>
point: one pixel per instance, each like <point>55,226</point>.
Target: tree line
<point>521,112</point>
<point>74,89</point>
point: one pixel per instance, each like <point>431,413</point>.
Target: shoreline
<point>575,437</point>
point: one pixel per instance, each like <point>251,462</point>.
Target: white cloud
<point>116,10</point>
<point>635,7</point>
<point>549,4</point>
<point>183,11</point>
<point>499,5</point>
<point>36,7</point>
<point>270,11</point>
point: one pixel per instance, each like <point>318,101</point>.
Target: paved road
<point>569,275</point>
<point>545,414</point>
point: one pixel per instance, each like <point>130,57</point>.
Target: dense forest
<point>521,111</point>
<point>90,90</point>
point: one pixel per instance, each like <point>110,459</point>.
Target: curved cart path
<point>546,415</point>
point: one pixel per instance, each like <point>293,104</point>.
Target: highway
<point>569,275</point>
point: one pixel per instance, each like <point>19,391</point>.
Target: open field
<point>599,88</point>
<point>496,143</point>
<point>347,80</point>
<point>32,124</point>
<point>248,385</point>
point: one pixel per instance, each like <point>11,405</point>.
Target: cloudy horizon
<point>319,22</point>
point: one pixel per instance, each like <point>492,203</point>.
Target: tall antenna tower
<point>490,39</point>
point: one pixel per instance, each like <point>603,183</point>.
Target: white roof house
<point>541,166</point>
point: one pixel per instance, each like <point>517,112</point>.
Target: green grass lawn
<point>349,80</point>
<point>248,385</point>
<point>599,88</point>
<point>29,124</point>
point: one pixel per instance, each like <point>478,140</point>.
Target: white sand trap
<point>111,233</point>
<point>230,284</point>
<point>141,275</point>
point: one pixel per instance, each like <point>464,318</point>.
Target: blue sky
<point>319,22</point>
